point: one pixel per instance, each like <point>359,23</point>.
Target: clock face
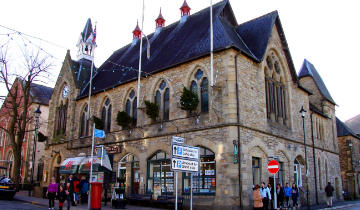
<point>65,91</point>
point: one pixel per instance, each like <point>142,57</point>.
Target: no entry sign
<point>273,167</point>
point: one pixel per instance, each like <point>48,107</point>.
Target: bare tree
<point>17,101</point>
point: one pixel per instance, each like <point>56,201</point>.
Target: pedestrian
<point>84,187</point>
<point>76,190</point>
<point>287,194</point>
<point>265,194</point>
<point>51,193</point>
<point>329,194</point>
<point>280,196</point>
<point>295,195</point>
<point>271,202</point>
<point>69,190</point>
<point>258,204</point>
<point>61,196</point>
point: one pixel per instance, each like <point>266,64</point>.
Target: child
<point>62,197</point>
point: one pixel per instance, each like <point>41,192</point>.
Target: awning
<point>70,165</point>
<point>86,164</point>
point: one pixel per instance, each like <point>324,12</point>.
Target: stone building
<point>39,97</point>
<point>253,103</point>
<point>349,151</point>
<point>354,124</point>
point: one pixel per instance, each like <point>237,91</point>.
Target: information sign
<point>185,151</point>
<point>184,165</point>
<point>178,140</point>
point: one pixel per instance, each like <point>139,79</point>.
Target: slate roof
<point>308,69</point>
<point>354,124</point>
<point>184,41</point>
<point>344,130</point>
<point>40,94</point>
<point>81,72</point>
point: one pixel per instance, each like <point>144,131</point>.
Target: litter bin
<point>96,189</point>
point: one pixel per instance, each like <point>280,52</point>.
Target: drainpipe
<point>314,158</point>
<point>238,125</point>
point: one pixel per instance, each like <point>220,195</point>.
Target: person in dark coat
<point>295,195</point>
<point>84,188</point>
<point>69,190</point>
<point>61,196</point>
<point>280,196</point>
<point>329,194</point>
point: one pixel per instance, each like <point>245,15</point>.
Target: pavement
<point>23,196</point>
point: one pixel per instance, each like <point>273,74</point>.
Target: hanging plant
<point>99,123</point>
<point>123,119</point>
<point>152,110</point>
<point>42,137</point>
<point>188,100</point>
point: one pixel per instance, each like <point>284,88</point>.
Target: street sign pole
<point>274,193</point>
<point>176,190</point>
<point>191,190</point>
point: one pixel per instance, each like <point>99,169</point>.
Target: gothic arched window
<point>162,99</point>
<point>200,86</point>
<point>275,90</point>
<point>106,115</point>
<point>84,122</point>
<point>61,116</point>
<point>131,107</point>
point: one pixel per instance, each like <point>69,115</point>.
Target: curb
<point>341,207</point>
<point>31,202</point>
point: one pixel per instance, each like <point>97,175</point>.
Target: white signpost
<point>184,158</point>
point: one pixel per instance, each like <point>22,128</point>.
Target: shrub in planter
<point>42,137</point>
<point>188,100</point>
<point>123,119</point>
<point>152,110</point>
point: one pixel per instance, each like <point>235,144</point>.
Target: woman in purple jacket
<point>51,192</point>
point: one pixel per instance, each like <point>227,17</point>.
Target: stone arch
<point>126,96</point>
<point>190,74</point>
<point>156,84</point>
<point>103,100</point>
<point>285,71</point>
<point>284,158</point>
<point>10,158</point>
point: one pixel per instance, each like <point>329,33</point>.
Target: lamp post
<point>37,114</point>
<point>302,113</point>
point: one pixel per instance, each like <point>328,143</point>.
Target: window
<point>162,99</point>
<point>131,107</point>
<point>106,115</point>
<point>256,170</point>
<point>204,182</point>
<point>320,174</point>
<point>129,167</point>
<point>1,138</point>
<point>84,123</point>
<point>281,174</point>
<point>326,172</point>
<point>61,119</point>
<point>200,86</point>
<point>297,173</point>
<point>159,174</point>
<point>275,90</point>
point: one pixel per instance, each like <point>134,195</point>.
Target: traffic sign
<point>184,165</point>
<point>178,140</point>
<point>273,166</point>
<point>185,151</point>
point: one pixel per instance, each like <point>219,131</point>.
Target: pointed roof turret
<point>160,21</point>
<point>137,31</point>
<point>87,30</point>
<point>85,48</point>
<point>185,9</point>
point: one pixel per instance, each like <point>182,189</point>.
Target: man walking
<point>287,194</point>
<point>265,194</point>
<point>329,193</point>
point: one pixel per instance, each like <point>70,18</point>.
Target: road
<point>18,205</point>
<point>354,207</point>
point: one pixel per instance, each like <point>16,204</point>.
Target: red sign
<point>273,167</point>
<point>68,165</point>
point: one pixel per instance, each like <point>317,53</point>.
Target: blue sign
<point>99,133</point>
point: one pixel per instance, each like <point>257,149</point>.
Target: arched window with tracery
<point>275,90</point>
<point>131,107</point>
<point>106,115</point>
<point>162,99</point>
<point>61,117</point>
<point>200,86</point>
<point>84,122</point>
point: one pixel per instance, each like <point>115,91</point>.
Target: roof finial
<point>185,9</point>
<point>137,31</point>
<point>160,21</point>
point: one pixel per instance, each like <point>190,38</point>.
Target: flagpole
<point>91,164</point>
<point>211,47</point>
<point>91,77</point>
<point>139,75</point>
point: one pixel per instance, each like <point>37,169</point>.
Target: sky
<point>326,32</point>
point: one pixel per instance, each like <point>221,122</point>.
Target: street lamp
<point>302,113</point>
<point>37,114</point>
